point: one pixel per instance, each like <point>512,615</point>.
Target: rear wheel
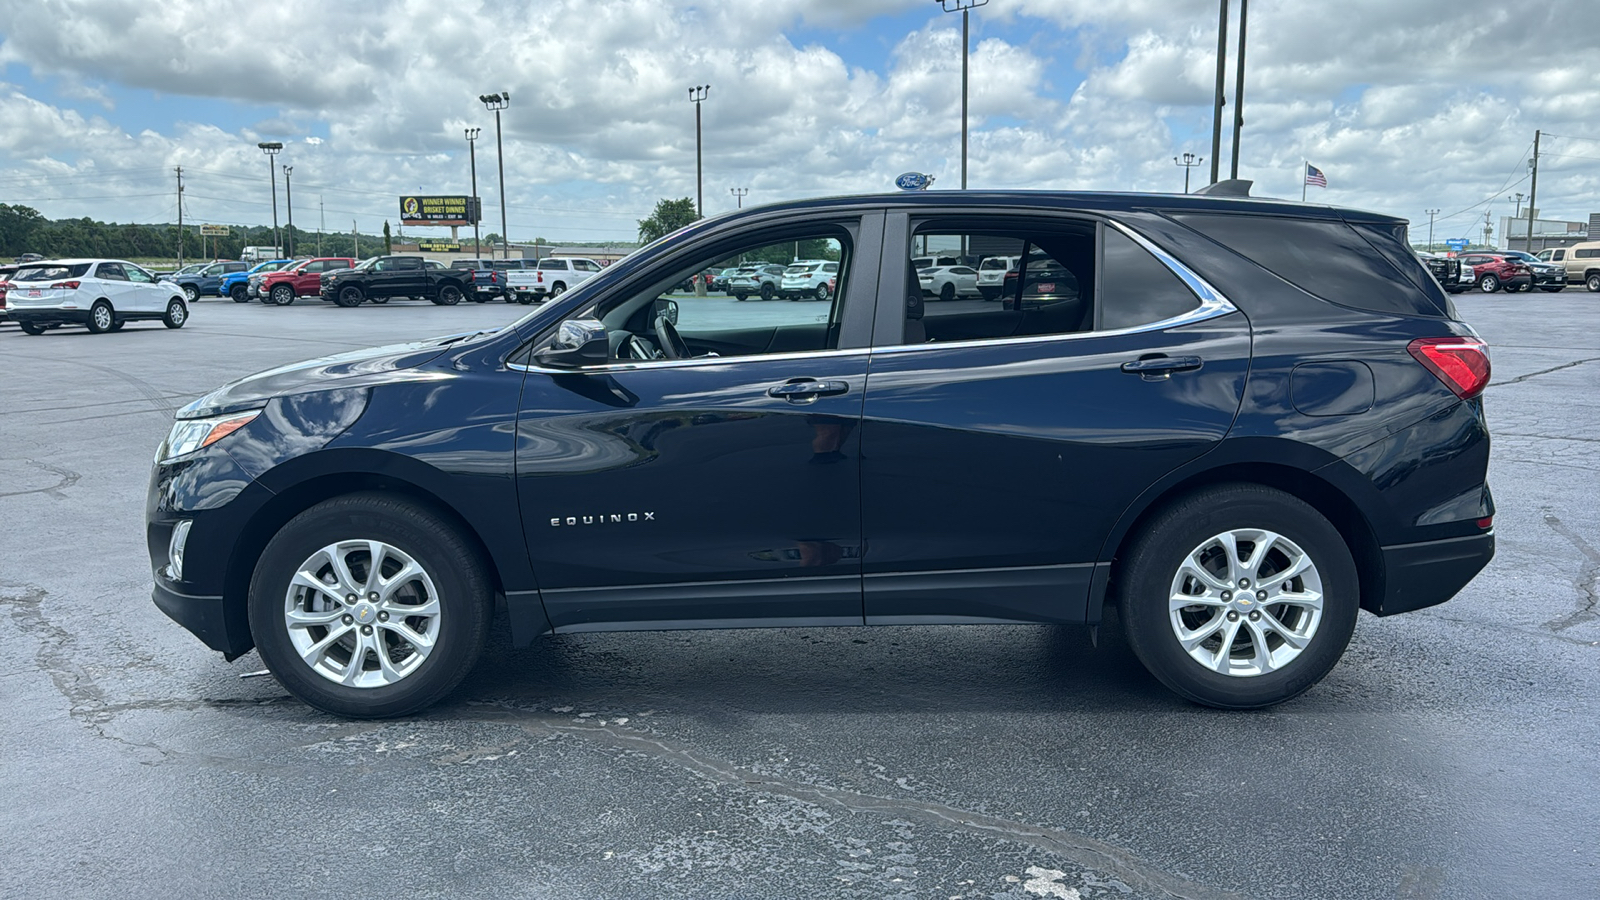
<point>370,606</point>
<point>821,293</point>
<point>117,324</point>
<point>177,314</point>
<point>238,294</point>
<point>1592,282</point>
<point>768,291</point>
<point>101,317</point>
<point>449,295</point>
<point>1489,284</point>
<point>283,295</point>
<point>1239,596</point>
<point>948,292</point>
<point>740,297</point>
<point>32,328</point>
<point>191,292</point>
<point>1553,289</point>
<point>558,289</point>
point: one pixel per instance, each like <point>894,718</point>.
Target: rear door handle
<point>805,390</point>
<point>1161,366</point>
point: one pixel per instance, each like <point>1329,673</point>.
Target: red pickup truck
<point>302,279</point>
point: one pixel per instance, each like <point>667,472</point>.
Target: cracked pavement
<point>1450,755</point>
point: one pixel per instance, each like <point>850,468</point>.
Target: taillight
<point>1462,363</point>
<point>64,286</point>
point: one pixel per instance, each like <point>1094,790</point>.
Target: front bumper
<point>1550,279</point>
<point>1421,575</point>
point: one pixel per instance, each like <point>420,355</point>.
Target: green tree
<point>388,239</point>
<point>669,216</point>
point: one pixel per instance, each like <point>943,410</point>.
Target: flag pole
<point>1305,168</point>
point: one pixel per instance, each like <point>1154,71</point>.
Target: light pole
<point>497,102</point>
<point>1238,89</point>
<point>271,149</point>
<point>472,151</point>
<point>1188,162</point>
<point>1431,213</point>
<point>964,7</point>
<point>288,202</point>
<point>738,195</point>
<point>697,95</point>
<point>1219,100</point>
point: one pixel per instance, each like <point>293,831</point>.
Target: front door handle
<point>805,390</point>
<point>1154,367</point>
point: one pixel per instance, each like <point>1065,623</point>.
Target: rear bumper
<point>49,316</point>
<point>1418,576</point>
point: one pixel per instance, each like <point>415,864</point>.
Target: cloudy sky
<point>1407,105</point>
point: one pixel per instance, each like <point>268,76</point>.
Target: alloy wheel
<point>1246,602</point>
<point>362,613</point>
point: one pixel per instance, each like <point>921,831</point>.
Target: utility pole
<point>1488,230</point>
<point>180,217</point>
<point>738,195</point>
<point>1431,213</point>
<point>322,223</point>
<point>288,201</point>
<point>357,234</point>
<point>965,7</point>
<point>1222,75</point>
<point>472,151</point>
<point>1533,190</point>
<point>697,95</point>
<point>1238,89</point>
<point>1188,162</point>
<point>498,102</point>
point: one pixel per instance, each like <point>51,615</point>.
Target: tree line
<point>24,230</point>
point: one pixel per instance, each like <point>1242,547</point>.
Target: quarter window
<point>1587,253</point>
<point>111,272</point>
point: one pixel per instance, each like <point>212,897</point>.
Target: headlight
<point>189,435</point>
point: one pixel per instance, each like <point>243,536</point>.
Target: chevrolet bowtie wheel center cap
<point>365,613</point>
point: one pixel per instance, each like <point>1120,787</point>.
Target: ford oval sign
<point>913,181</point>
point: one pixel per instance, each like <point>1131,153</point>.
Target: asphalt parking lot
<point>1452,754</point>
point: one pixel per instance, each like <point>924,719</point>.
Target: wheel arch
<point>284,505</point>
<point>1329,499</point>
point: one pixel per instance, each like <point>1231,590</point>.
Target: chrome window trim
<point>652,364</point>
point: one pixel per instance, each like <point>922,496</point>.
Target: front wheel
<point>768,292</point>
<point>1488,284</point>
<point>1239,596</point>
<point>349,296</point>
<point>177,314</point>
<point>821,293</point>
<point>370,606</point>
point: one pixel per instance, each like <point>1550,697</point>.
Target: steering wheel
<point>638,349</point>
<point>672,343</point>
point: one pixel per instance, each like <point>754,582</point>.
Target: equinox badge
<point>557,521</point>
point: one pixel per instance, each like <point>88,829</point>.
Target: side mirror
<point>665,309</point>
<point>578,343</point>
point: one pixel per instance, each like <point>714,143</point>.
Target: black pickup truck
<point>386,277</point>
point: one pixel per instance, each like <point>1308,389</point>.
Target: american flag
<point>1314,176</point>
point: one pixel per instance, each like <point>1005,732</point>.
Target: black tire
<point>821,293</point>
<point>191,292</point>
<point>948,292</point>
<point>32,328</point>
<point>1592,282</point>
<point>379,301</point>
<point>1554,290</point>
<point>350,296</point>
<point>455,565</point>
<point>101,317</point>
<point>238,294</point>
<point>116,324</point>
<point>282,295</point>
<point>177,313</point>
<point>558,289</point>
<point>989,293</point>
<point>1146,575</point>
<point>768,291</point>
<point>1489,284</point>
<point>449,295</point>
<point>741,297</point>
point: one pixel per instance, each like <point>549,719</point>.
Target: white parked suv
<point>949,282</point>
<point>101,294</point>
<point>808,278</point>
<point>992,275</point>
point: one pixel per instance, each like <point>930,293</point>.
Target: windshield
<point>271,266</point>
<point>51,273</point>
<point>1525,257</point>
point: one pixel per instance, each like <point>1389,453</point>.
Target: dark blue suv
<point>1238,421</point>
